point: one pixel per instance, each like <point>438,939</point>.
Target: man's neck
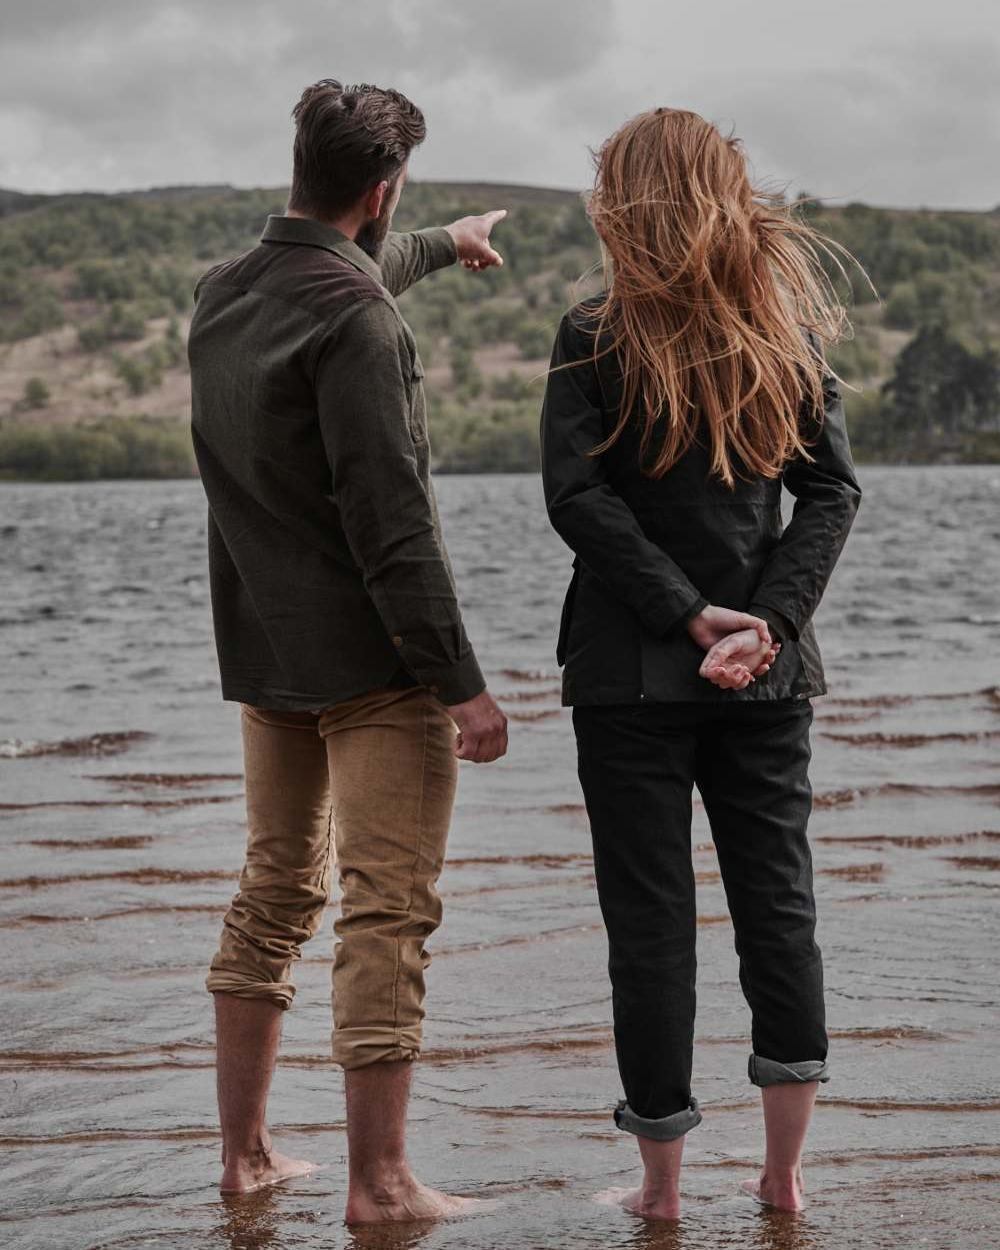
<point>348,225</point>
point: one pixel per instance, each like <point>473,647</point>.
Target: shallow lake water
<point>121,828</point>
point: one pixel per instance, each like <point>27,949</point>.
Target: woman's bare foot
<point>659,1195</point>
<point>400,1196</point>
<point>243,1174</point>
<point>659,1204</point>
<point>783,1192</point>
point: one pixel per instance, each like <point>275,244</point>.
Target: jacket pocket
<point>567,614</point>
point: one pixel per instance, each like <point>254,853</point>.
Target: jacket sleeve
<point>584,508</point>
<point>827,496</point>
<point>780,627</point>
<point>364,380</point>
<point>406,258</point>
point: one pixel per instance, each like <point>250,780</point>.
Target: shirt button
<point>397,641</point>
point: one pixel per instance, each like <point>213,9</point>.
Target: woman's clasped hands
<point>739,647</point>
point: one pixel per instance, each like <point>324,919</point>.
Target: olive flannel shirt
<point>328,572</point>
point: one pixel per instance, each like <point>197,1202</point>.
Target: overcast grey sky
<point>888,101</point>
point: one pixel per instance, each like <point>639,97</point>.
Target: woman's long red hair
<point>710,285</point>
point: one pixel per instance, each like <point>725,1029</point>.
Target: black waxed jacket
<point>652,552</point>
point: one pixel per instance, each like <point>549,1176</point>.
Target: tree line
<point>922,365</point>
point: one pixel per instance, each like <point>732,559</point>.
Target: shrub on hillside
<point>39,310</point>
<point>502,438</point>
<point>121,323</point>
<point>36,393</point>
<point>534,340</point>
<point>116,448</point>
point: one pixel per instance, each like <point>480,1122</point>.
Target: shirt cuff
<point>782,629</point>
<point>441,249</point>
<point>455,683</point>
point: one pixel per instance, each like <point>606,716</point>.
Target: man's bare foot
<point>400,1196</point>
<point>243,1174</point>
<point>651,1205</point>
<point>784,1193</point>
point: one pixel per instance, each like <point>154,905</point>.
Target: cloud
<point>885,102</point>
<point>910,125</point>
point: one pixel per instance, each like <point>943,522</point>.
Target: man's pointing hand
<point>472,239</point>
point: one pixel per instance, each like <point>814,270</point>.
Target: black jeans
<point>638,764</point>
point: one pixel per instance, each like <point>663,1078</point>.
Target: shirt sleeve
<point>586,510</point>
<point>827,496</point>
<point>406,258</point>
<point>364,387</point>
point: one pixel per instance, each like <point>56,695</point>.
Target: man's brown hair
<point>347,140</point>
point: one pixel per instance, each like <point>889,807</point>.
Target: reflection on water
<point>760,1230</point>
<point>260,1222</point>
<point>403,1237</point>
<point>781,1230</point>
<point>122,831</point>
<point>251,1221</point>
<point>257,1222</point>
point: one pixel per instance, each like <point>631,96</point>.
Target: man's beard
<point>371,236</point>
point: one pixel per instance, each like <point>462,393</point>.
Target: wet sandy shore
<point>121,827</point>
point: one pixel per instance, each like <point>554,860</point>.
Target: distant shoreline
<point>8,479</point>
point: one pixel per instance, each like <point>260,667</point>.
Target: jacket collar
<point>312,233</point>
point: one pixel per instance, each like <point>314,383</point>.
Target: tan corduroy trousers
<point>367,785</point>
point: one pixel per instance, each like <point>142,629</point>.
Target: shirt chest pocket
<point>418,404</point>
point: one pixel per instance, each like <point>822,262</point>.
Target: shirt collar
<point>312,233</point>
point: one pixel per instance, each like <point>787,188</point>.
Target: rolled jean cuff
<point>770,1072</point>
<point>666,1129</point>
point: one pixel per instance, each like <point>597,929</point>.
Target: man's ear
<point>376,198</point>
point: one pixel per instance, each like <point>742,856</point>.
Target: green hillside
<point>95,296</point>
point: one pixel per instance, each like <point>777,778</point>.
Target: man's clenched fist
<point>482,729</point>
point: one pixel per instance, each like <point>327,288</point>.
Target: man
<point>337,629</point>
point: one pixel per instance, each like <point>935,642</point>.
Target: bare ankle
<point>782,1173</point>
<point>782,1180</point>
<point>659,1182</point>
<point>252,1150</point>
<point>383,1179</point>
<point>662,1169</point>
<point>661,1177</point>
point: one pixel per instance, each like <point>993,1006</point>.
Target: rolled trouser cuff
<point>362,1046</point>
<point>280,993</point>
<point>770,1072</point>
<point>668,1128</point>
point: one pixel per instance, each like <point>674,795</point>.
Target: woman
<point>679,402</point>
